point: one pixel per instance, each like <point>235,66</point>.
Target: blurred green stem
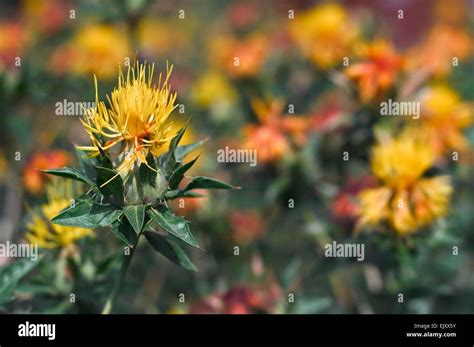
<point>127,259</point>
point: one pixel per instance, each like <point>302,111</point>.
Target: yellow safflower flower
<point>325,34</point>
<point>135,118</point>
<point>49,235</point>
<point>444,116</point>
<point>405,200</point>
<point>94,49</point>
<point>213,89</point>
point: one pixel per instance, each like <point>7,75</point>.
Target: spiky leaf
<point>71,173</point>
<point>201,182</point>
<point>173,224</point>
<point>178,174</point>
<point>110,184</point>
<point>175,140</point>
<point>182,151</point>
<point>136,216</point>
<point>146,173</point>
<point>170,249</point>
<point>86,164</point>
<point>87,214</point>
<point>124,231</point>
<point>179,193</point>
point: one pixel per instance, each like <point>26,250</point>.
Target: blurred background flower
<point>43,232</point>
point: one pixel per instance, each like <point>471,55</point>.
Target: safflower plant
<point>129,184</point>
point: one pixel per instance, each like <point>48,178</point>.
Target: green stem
<point>127,259</point>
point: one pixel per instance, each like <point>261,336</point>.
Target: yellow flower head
<point>399,162</point>
<point>325,34</point>
<point>406,200</point>
<point>96,48</point>
<point>444,116</point>
<point>135,121</point>
<point>49,235</point>
<point>213,88</point>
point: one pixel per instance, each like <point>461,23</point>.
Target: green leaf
<point>173,224</point>
<point>170,250</point>
<point>201,182</point>
<point>178,174</point>
<point>124,231</point>
<point>11,273</point>
<point>110,183</point>
<point>145,173</point>
<point>182,151</point>
<point>179,193</point>
<point>86,164</point>
<point>168,161</point>
<point>175,140</point>
<point>86,214</point>
<point>71,173</point>
<point>136,216</point>
<point>104,160</point>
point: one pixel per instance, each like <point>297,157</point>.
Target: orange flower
<point>444,116</point>
<point>241,58</point>
<point>12,43</point>
<point>436,54</point>
<point>48,16</point>
<point>269,138</point>
<point>377,71</point>
<point>33,179</point>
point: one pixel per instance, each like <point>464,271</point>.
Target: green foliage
<point>207,183</point>
<point>124,231</point>
<point>87,214</point>
<point>110,184</point>
<point>170,249</point>
<point>134,205</point>
<point>173,224</point>
<point>136,216</point>
<point>11,273</point>
<point>71,173</point>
